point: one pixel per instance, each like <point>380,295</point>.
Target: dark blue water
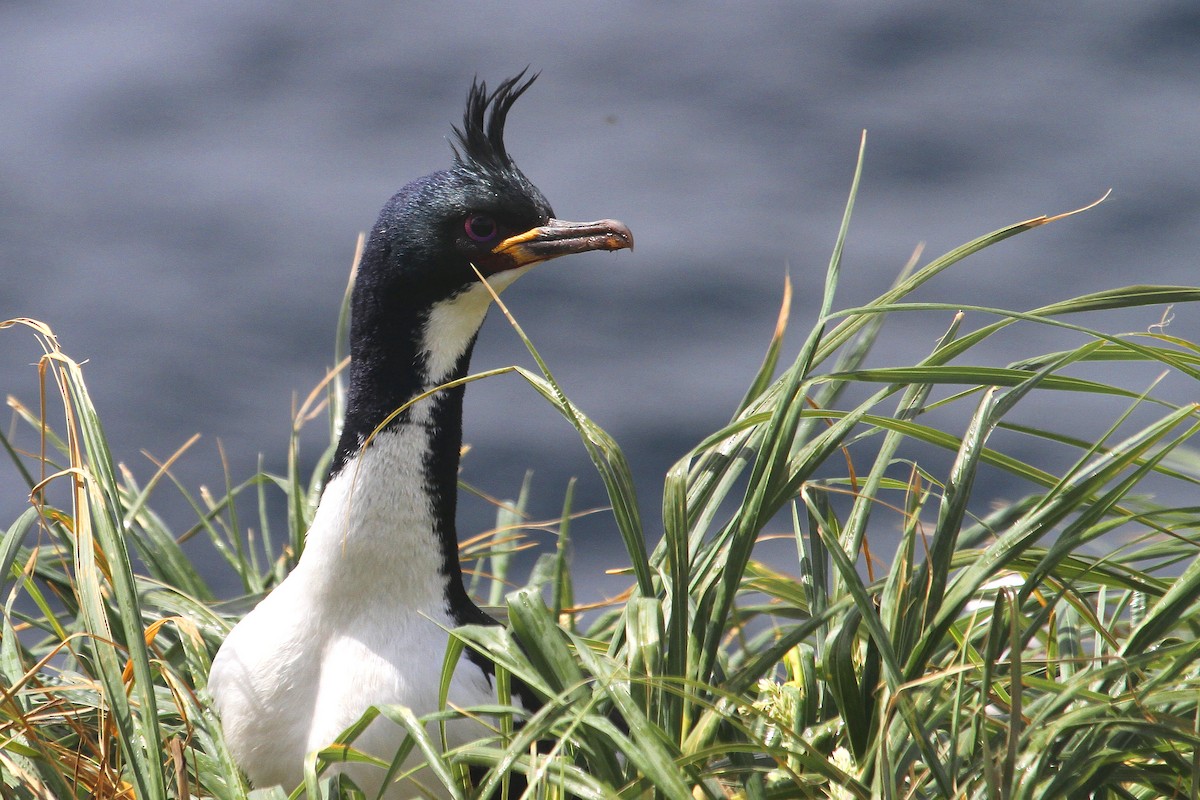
<point>181,187</point>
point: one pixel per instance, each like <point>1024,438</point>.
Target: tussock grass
<point>1043,648</point>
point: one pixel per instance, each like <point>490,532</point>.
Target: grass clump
<point>1042,648</point>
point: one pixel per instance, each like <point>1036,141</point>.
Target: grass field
<point>1045,647</point>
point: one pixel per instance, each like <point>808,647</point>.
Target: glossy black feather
<point>481,137</point>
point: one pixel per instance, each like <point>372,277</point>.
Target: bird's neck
<point>387,514</point>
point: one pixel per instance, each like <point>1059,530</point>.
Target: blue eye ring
<point>480,228</point>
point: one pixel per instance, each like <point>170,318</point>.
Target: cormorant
<point>360,621</point>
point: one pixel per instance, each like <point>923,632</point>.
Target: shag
<point>361,619</point>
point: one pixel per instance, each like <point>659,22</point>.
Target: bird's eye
<point>480,227</point>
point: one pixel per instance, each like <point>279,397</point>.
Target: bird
<point>362,619</point>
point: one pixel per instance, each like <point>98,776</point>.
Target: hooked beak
<point>559,238</point>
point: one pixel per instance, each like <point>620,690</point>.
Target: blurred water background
<point>181,186</point>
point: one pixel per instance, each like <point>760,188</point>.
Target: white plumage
<point>361,619</point>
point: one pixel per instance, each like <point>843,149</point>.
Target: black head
<point>418,303</point>
<point>482,212</point>
<point>481,157</point>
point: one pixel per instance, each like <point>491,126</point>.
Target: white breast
<point>361,619</point>
<point>359,622</point>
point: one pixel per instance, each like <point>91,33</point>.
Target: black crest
<point>481,137</point>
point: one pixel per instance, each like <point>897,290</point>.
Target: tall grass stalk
<point>1044,647</point>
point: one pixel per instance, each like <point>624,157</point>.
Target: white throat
<point>375,523</point>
